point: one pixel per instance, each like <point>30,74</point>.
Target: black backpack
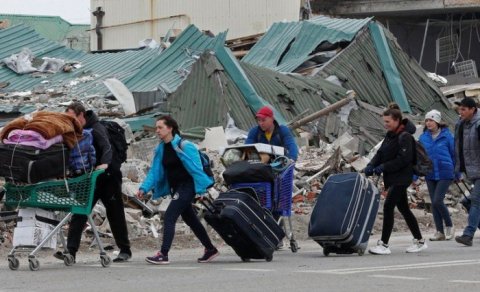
<point>422,165</point>
<point>116,136</point>
<point>207,164</point>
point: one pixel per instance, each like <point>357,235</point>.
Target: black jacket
<point>396,154</point>
<point>101,142</point>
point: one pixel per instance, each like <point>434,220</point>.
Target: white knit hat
<point>434,115</point>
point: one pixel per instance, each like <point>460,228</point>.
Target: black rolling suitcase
<point>344,214</point>
<point>30,165</point>
<point>244,225</point>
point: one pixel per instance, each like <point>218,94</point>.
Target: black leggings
<point>181,204</point>
<point>397,196</point>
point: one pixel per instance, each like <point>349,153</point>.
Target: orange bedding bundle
<point>49,125</point>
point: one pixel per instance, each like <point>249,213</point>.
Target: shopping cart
<point>277,198</point>
<point>73,196</point>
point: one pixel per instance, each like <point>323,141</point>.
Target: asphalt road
<point>444,266</point>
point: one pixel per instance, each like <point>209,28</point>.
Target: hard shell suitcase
<point>30,165</point>
<point>244,225</point>
<point>344,214</point>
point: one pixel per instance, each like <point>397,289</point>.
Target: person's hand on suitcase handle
<point>371,170</point>
<point>140,194</point>
<point>368,170</point>
<point>378,170</point>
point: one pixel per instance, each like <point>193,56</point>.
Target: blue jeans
<point>474,214</point>
<point>437,190</point>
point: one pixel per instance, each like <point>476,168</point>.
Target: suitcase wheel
<point>269,259</point>
<point>293,245</point>
<point>361,252</point>
<point>326,252</point>
<point>245,260</point>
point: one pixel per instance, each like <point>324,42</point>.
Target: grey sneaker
<point>438,236</point>
<point>449,232</point>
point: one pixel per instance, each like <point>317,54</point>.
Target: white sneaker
<point>449,232</point>
<point>381,248</point>
<point>417,246</point>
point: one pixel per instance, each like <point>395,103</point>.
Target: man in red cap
<point>270,132</point>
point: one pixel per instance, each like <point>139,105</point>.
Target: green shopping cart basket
<point>74,195</point>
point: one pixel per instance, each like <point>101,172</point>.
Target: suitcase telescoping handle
<point>211,206</point>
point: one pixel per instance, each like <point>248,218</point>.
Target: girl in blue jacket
<point>177,170</point>
<point>440,146</point>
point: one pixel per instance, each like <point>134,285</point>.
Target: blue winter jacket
<point>281,136</point>
<point>82,156</point>
<point>188,154</point>
<point>442,153</point>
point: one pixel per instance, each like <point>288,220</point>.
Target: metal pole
<point>322,112</point>
<point>424,40</point>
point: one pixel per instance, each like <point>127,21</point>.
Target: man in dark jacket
<point>108,187</point>
<point>467,148</point>
<point>270,132</point>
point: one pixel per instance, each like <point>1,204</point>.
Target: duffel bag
<point>247,171</point>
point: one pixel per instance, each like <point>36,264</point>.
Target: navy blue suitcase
<point>344,214</point>
<point>244,225</point>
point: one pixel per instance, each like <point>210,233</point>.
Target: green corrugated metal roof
<point>13,39</point>
<point>94,67</point>
<point>169,70</point>
<point>392,77</point>
<point>53,28</point>
<point>359,69</point>
<point>140,70</point>
<point>286,46</point>
<point>236,73</point>
<point>209,93</point>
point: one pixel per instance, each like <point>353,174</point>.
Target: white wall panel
<point>126,22</point>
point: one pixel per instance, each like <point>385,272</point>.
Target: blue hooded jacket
<point>442,153</point>
<point>188,154</point>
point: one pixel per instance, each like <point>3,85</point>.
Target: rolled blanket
<point>49,125</point>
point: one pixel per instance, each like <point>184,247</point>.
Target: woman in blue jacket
<point>177,170</point>
<point>440,146</point>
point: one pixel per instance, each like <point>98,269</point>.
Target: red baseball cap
<point>265,112</point>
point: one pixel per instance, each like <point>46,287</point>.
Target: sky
<point>73,11</point>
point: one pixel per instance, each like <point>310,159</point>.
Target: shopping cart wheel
<point>33,264</point>
<point>361,252</point>
<point>105,260</point>
<point>294,245</point>
<point>13,263</point>
<point>269,259</point>
<point>326,251</point>
<point>245,260</point>
<point>68,259</point>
